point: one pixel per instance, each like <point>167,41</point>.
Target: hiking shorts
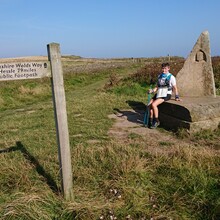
<point>168,97</point>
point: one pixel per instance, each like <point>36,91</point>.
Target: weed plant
<point>110,178</point>
<point>216,70</point>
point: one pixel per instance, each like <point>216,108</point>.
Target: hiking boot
<point>155,125</point>
<point>150,124</point>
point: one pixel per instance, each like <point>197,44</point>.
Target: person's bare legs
<point>155,108</point>
<point>151,110</point>
<point>155,113</point>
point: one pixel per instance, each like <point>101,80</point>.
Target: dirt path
<point>130,122</point>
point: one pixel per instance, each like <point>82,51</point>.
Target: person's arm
<point>152,90</point>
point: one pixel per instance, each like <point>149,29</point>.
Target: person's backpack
<point>164,82</point>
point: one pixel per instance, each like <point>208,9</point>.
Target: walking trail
<point>130,122</point>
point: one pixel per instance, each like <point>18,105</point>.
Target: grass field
<point>112,179</point>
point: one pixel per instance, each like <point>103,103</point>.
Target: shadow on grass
<point>30,158</point>
<point>136,105</point>
<point>136,115</point>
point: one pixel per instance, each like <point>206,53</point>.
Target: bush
<point>148,74</point>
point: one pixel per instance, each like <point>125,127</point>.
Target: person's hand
<point>177,98</point>
<point>150,91</point>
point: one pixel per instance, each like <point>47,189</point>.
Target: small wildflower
<point>110,212</point>
<point>115,191</point>
<point>112,217</point>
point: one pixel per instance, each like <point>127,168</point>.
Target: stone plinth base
<point>192,113</point>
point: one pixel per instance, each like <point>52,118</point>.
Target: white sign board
<point>24,70</point>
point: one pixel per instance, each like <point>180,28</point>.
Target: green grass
<point>181,184</point>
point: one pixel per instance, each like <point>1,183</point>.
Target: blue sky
<point>107,28</point>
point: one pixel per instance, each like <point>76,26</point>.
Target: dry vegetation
<point>139,177</point>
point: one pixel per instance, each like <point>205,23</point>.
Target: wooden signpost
<point>61,119</point>
<point>34,70</point>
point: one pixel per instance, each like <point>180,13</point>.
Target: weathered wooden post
<point>59,102</point>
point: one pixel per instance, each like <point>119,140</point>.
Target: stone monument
<point>200,107</point>
<point>196,78</point>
